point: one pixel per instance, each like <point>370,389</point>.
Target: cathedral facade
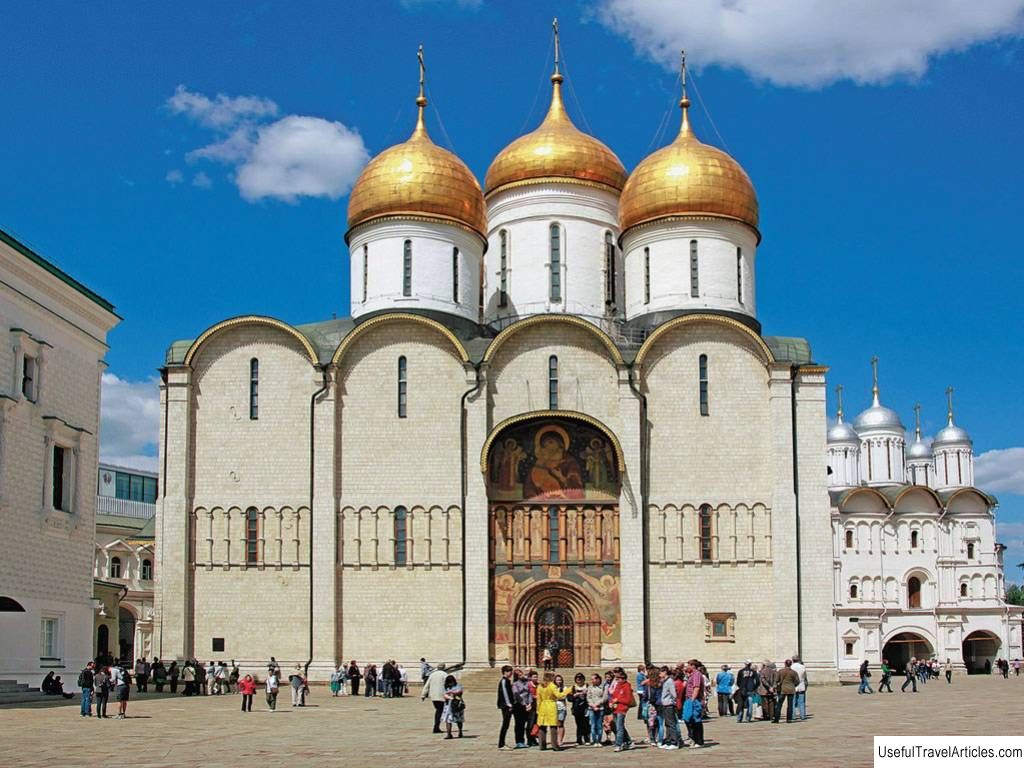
<point>551,421</point>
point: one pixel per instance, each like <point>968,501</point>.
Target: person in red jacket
<point>620,697</point>
<point>247,687</point>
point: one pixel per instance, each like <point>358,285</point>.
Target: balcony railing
<point>108,505</point>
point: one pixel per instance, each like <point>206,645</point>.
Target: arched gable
<point>397,317</point>
<point>516,327</point>
<point>765,354</point>
<point>871,493</point>
<point>571,415</point>
<point>244,320</point>
<point>916,490</point>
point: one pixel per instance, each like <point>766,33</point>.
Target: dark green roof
<point>56,271</point>
<point>326,335</point>
<point>142,527</point>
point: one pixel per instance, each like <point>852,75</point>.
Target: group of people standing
<point>97,681</point>
<point>538,707</point>
<point>390,679</point>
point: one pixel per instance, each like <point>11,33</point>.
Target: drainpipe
<point>463,427</point>
<point>312,455</point>
<point>796,501</point>
<point>645,535</point>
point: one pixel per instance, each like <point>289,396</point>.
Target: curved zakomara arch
<point>571,415</point>
<point>864,489</point>
<point>923,489</point>
<point>394,317</point>
<point>561,593</point>
<point>242,320</point>
<point>519,325</point>
<point>684,320</point>
<point>922,573</point>
<point>986,499</point>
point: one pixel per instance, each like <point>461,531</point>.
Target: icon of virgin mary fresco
<point>555,474</point>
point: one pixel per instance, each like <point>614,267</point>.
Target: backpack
<point>82,682</point>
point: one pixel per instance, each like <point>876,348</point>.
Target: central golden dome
<point>418,179</point>
<point>556,151</point>
<point>687,178</point>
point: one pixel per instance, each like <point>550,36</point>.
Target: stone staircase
<point>13,692</point>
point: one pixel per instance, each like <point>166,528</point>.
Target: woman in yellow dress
<point>547,711</point>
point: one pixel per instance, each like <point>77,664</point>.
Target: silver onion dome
<point>951,434</point>
<point>919,449</point>
<point>877,416</point>
<point>842,432</point>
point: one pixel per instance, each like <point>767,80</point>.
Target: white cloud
<point>174,177</point>
<point>129,421</point>
<point>292,157</point>
<point>221,111</point>
<point>300,155</point>
<point>1000,471</point>
<point>811,43</point>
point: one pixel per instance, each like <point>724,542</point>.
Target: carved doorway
<point>555,632</point>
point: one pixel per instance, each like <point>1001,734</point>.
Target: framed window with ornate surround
<point>720,627</point>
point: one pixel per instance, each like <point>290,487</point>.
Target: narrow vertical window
<point>963,590</point>
<point>147,570</point>
<point>455,275</point>
<point>403,383</point>
<point>706,525</point>
<point>254,389</point>
<point>28,378</point>
<point>115,567</point>
<point>366,270</point>
<point>913,592</point>
<point>739,275</point>
<point>553,383</point>
<point>647,275</point>
<point>252,533</point>
<point>703,372</point>
<point>58,477</point>
<point>556,263</point>
<point>552,534</point>
<point>401,536</point>
<point>853,591</point>
<point>609,269</point>
<point>970,551</point>
<point>694,270</point>
<point>503,269</point>
<point>849,539</point>
<point>407,269</point>
<point>914,539</point>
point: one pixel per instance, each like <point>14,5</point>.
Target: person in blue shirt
<point>723,685</point>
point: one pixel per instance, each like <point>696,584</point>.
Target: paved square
<point>211,731</point>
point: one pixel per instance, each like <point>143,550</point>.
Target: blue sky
<point>884,144</point>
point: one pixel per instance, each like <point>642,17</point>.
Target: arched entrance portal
<point>553,485</point>
<point>560,617</point>
<point>902,647</point>
<point>126,635</point>
<point>555,632</point>
<point>980,647</point>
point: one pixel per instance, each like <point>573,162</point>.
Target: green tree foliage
<point>1015,594</point>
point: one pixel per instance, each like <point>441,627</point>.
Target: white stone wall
<point>844,461</point>
<point>668,245</point>
<point>433,284</point>
<point>954,467</point>
<point>49,571</point>
<point>882,458</point>
<point>584,215</point>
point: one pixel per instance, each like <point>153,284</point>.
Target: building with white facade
<point>918,571</point>
<point>552,420</point>
<point>125,557</point>
<point>51,360</point>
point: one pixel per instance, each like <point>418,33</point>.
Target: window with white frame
<point>49,639</point>
<point>147,570</point>
<point>115,568</point>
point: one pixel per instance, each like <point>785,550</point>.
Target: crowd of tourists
<point>390,679</point>
<point>921,671</point>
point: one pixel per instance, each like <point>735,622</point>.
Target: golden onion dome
<point>687,178</point>
<point>556,151</point>
<point>418,179</point>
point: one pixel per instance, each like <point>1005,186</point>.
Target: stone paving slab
<point>212,731</point>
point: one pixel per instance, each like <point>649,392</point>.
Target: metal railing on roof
<point>108,505</point>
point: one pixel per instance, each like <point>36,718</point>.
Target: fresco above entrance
<point>552,460</point>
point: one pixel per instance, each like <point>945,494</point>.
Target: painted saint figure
<point>599,462</point>
<point>555,473</point>
<point>505,469</point>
